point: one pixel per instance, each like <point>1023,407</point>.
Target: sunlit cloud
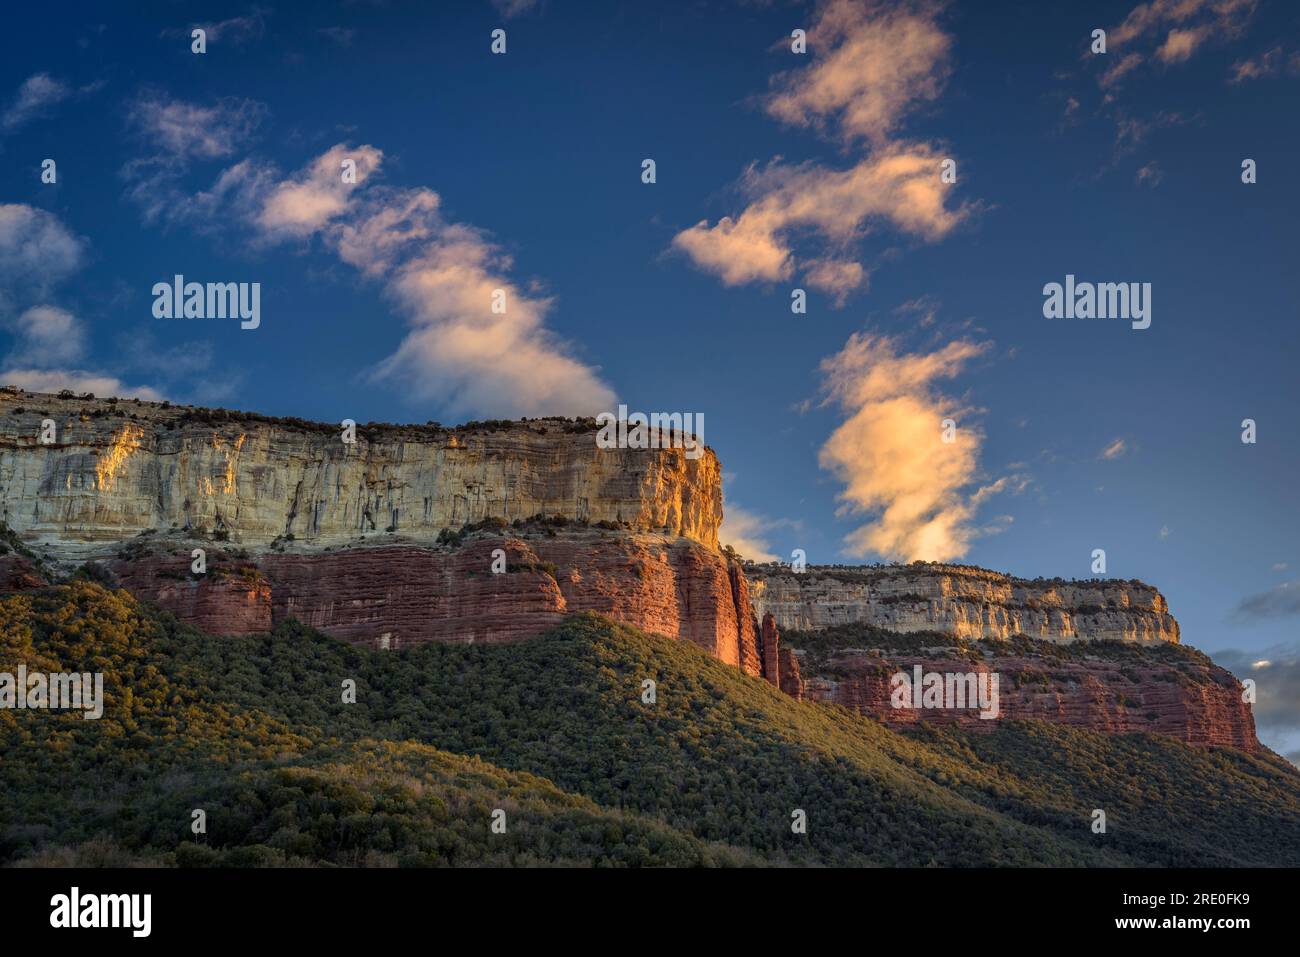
<point>890,455</point>
<point>872,63</point>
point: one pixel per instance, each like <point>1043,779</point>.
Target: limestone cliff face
<point>960,600</point>
<point>121,467</point>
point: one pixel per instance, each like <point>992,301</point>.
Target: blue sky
<point>774,171</point>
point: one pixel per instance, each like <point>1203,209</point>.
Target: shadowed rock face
<point>961,600</point>
<point>1194,701</point>
<point>118,468</point>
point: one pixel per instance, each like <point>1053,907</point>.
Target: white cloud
<point>79,381</point>
<point>180,131</point>
<point>1150,175</point>
<point>897,186</point>
<point>443,276</point>
<point>746,532</point>
<point>37,95</point>
<point>871,64</point>
<point>36,250</point>
<point>46,336</point>
<point>890,455</point>
<point>306,203</point>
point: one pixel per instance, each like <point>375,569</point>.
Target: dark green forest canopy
<point>554,732</point>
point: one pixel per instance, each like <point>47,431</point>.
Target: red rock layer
<point>748,658</point>
<point>18,574</point>
<point>1196,703</point>
<point>770,641</point>
<point>406,594</point>
<point>231,598</point>
<point>791,682</point>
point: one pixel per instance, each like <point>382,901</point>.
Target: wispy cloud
<point>179,131</point>
<point>747,532</point>
<point>176,134</point>
<point>48,343</point>
<point>1168,32</point>
<point>1281,601</point>
<point>1269,63</point>
<point>1150,175</point>
<point>341,36</point>
<point>443,276</point>
<point>873,62</point>
<point>235,30</point>
<point>36,249</point>
<point>513,8</point>
<point>37,96</point>
<point>1114,450</point>
<point>891,457</point>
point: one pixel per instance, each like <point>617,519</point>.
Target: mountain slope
<point>554,730</point>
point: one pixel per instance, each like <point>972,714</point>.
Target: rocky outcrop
<point>1100,688</point>
<point>960,600</point>
<point>19,574</point>
<point>791,679</point>
<point>770,643</point>
<point>398,595</point>
<point>494,532</point>
<point>116,468</point>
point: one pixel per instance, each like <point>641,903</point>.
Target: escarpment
<point>1111,686</point>
<point>390,540</point>
<point>496,531</point>
<point>960,600</point>
<point>116,468</point>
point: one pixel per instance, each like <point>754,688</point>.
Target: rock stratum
<point>960,600</point>
<point>1103,686</point>
<point>387,541</point>
<point>116,468</point>
<point>494,532</point>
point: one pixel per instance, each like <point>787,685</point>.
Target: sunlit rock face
<point>492,588</point>
<point>964,601</point>
<point>369,541</point>
<point>120,467</point>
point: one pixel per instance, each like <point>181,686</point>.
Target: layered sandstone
<point>964,601</point>
<point>1192,700</point>
<point>117,468</point>
<point>397,595</point>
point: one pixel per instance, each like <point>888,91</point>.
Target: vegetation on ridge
<point>554,731</point>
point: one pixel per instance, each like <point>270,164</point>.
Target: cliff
<point>494,532</point>
<point>390,596</point>
<point>388,541</point>
<point>960,600</point>
<point>121,467</point>
<point>1103,686</point>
